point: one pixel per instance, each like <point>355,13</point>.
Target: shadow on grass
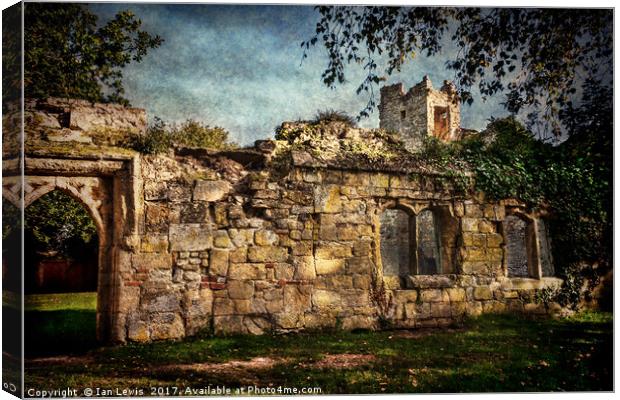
<point>61,332</point>
<point>493,354</point>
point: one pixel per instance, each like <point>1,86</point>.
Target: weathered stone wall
<point>251,242</point>
<point>249,252</point>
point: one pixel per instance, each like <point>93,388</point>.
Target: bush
<point>194,134</point>
<point>334,116</point>
<point>159,137</point>
<point>156,140</point>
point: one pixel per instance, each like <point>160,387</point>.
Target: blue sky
<point>240,67</point>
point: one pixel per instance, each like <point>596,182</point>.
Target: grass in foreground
<point>490,354</point>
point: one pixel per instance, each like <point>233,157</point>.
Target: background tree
<point>538,57</point>
<point>67,54</point>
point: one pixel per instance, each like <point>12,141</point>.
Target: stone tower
<point>422,111</point>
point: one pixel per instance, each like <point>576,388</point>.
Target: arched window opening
<point>441,120</point>
<point>516,237</point>
<point>546,259</point>
<point>395,242</point>
<point>427,249</point>
<point>410,244</point>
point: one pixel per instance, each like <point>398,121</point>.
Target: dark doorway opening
<point>60,276</point>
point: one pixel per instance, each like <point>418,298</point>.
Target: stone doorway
<point>94,193</point>
<point>109,188</point>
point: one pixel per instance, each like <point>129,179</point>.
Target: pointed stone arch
<point>109,189</point>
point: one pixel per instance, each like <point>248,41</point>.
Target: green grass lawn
<point>494,353</point>
<point>60,323</point>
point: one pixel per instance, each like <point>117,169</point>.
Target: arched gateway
<point>102,178</point>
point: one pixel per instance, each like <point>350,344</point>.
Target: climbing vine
<point>571,180</point>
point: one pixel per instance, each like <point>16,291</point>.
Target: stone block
<point>267,254</point>
<point>379,180</point>
<point>325,298</point>
<point>265,237</point>
<point>332,251</point>
<point>240,290</point>
<point>483,293</point>
<point>128,299</point>
<point>161,302</point>
<point>210,190</point>
<point>218,262</point>
<point>155,190</point>
<point>190,213</point>
<point>154,244</point>
<point>471,239</point>
<point>362,248</point>
<point>327,199</point>
<point>475,268</point>
<point>359,322</point>
<point>456,294</point>
<point>137,330</point>
<point>156,217</point>
<point>346,233</point>
<point>179,192</point>
<point>486,226</point>
<point>190,237</point>
<point>303,248</point>
<point>257,325</point>
<point>534,308</point>
<point>328,231</point>
<point>511,294</point>
<point>223,306</point>
<point>253,271</point>
<point>458,308</point>
<point>411,311</point>
<point>494,240</point>
<point>473,308</point>
<point>339,282</point>
<point>238,255</point>
<point>473,210</point>
<point>469,224</point>
<point>494,307</point>
<point>431,295</point>
<point>166,326</point>
<point>441,310</point>
<point>359,265</point>
<point>405,296</point>
<point>241,237</point>
<point>227,324</point>
<point>149,261</point>
<point>361,281</point>
<point>304,268</point>
<point>283,271</point>
<point>326,267</point>
<point>222,240</point>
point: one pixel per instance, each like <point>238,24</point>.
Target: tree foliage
<point>57,222</point>
<point>68,54</point>
<point>573,181</point>
<point>538,57</point>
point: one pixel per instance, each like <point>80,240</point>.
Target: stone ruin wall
<point>260,254</point>
<point>217,241</point>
